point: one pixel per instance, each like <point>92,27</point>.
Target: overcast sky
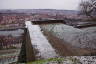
<point>39,4</point>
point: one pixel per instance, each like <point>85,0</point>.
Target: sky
<point>40,4</point>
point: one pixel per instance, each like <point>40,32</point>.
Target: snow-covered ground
<point>82,38</point>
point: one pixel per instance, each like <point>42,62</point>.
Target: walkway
<point>40,42</point>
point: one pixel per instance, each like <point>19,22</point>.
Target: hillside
<point>41,11</point>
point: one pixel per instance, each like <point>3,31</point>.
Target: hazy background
<point>39,4</point>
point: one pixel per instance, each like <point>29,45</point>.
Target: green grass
<point>45,61</point>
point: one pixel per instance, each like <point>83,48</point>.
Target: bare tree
<point>88,7</point>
